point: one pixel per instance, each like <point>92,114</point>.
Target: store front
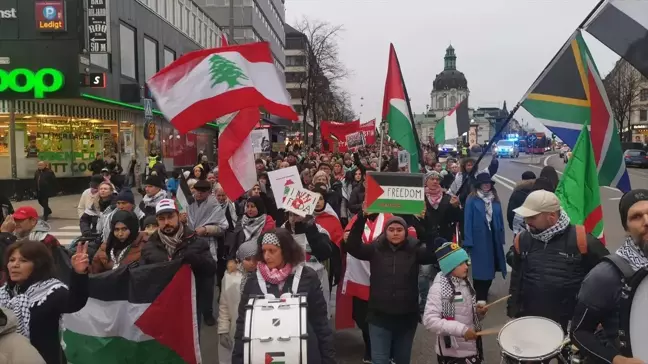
<point>68,134</point>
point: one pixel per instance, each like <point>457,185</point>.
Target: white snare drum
<point>275,330</point>
<point>531,339</point>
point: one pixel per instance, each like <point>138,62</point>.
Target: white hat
<point>165,205</point>
<point>538,202</point>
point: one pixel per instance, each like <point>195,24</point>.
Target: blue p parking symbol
<point>49,12</point>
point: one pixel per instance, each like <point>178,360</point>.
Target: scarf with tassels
<point>448,292</point>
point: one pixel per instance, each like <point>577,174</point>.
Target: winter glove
<point>225,341</point>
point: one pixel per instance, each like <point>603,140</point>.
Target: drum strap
<point>621,265</point>
<point>295,283</point>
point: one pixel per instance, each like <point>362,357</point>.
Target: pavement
<point>348,343</point>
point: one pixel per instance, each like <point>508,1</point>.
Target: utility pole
<point>231,21</point>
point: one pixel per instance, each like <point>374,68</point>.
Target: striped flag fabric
<point>453,125</point>
<point>579,191</point>
<point>144,314</point>
<point>568,94</point>
<point>204,85</point>
<point>224,42</point>
<point>398,113</point>
<point>183,195</point>
<point>236,169</point>
<point>622,25</point>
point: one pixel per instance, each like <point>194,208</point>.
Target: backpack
<point>622,266</point>
<point>581,240</point>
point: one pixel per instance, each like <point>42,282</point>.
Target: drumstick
<point>488,332</point>
<point>497,301</point>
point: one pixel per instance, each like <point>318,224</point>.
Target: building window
<point>100,59</point>
<point>162,8</point>
<point>150,57</point>
<point>169,56</point>
<point>128,51</point>
<point>643,115</point>
<point>643,95</point>
<point>296,61</point>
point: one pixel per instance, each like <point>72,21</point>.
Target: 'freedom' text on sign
<point>403,193</point>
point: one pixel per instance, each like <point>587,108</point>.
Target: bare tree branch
<point>623,86</point>
<point>323,70</point>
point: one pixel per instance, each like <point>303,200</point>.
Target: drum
<point>275,330</point>
<point>634,318</point>
<point>531,339</point>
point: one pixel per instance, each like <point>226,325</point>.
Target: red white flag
<point>205,85</point>
<point>224,42</point>
<point>236,169</point>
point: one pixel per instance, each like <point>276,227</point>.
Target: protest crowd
<point>386,237</point>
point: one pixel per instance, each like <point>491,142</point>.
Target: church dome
<point>450,77</point>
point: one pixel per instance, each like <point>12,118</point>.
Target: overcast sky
<point>501,45</point>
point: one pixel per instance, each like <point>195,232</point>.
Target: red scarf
<point>274,276</point>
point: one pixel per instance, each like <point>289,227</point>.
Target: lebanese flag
<point>236,169</point>
<point>204,85</point>
<point>330,222</point>
<point>224,42</point>
<point>357,273</point>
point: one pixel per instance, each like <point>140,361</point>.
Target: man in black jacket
<point>549,260</point>
<point>520,193</point>
<point>45,187</point>
<point>599,299</point>
<point>175,240</point>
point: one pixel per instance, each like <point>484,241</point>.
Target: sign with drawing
<point>301,201</point>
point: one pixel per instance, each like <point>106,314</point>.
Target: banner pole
<point>382,133</point>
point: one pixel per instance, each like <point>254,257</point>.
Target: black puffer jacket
<point>546,278</point>
<point>394,270</point>
<point>320,335</point>
<point>197,248</point>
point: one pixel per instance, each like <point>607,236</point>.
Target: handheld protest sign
<point>396,193</point>
<point>355,140</point>
<point>301,201</point>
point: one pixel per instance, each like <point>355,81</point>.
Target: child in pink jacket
<point>451,310</point>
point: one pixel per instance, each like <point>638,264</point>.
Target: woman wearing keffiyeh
<point>484,234</point>
<point>253,223</point>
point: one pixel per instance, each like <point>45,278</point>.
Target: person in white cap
<point>175,240</point>
<point>549,260</point>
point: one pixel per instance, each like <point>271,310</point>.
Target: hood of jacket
<point>524,185</point>
<point>42,227</point>
<point>12,322</point>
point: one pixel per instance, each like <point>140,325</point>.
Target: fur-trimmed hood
<point>524,185</point>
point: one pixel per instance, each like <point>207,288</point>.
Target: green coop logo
<point>23,80</point>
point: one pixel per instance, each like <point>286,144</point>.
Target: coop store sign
<point>37,83</point>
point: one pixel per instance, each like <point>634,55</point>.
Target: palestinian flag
<point>277,357</point>
<point>622,25</point>
<point>568,94</point>
<point>204,85</point>
<point>453,125</point>
<point>142,315</point>
<point>398,113</point>
<point>397,193</point>
<point>578,189</point>
<point>183,195</point>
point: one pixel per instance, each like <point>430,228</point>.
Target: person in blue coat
<point>484,234</point>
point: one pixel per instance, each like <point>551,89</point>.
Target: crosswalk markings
<point>66,234</point>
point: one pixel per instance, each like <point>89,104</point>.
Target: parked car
<point>636,158</point>
<point>507,148</point>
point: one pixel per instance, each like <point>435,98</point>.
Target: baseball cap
<point>538,202</point>
<point>24,213</point>
<point>165,205</point>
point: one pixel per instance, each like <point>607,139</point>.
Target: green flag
<point>578,189</point>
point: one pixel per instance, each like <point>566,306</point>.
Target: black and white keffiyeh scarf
<point>448,292</point>
<point>558,227</point>
<point>487,197</point>
<point>22,303</point>
<point>252,226</point>
<point>633,254</point>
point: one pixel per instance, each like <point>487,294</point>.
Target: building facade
<point>296,67</point>
<point>639,115</point>
<point>97,107</point>
<point>254,21</point>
